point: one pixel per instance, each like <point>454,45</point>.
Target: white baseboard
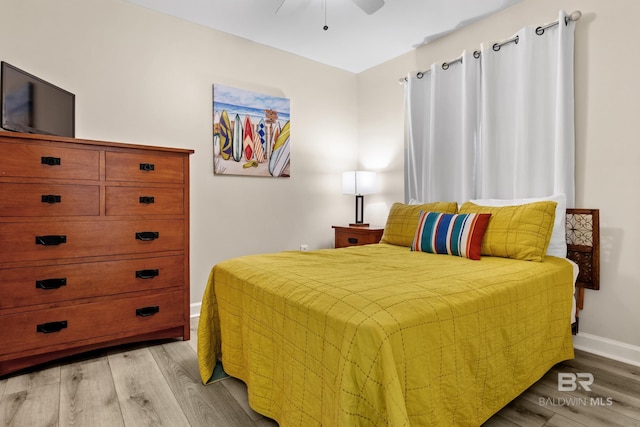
<point>195,309</point>
<point>606,347</point>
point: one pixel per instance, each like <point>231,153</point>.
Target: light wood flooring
<point>157,384</point>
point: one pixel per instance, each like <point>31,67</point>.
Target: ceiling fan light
<point>369,6</point>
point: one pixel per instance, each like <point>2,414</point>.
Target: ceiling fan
<point>368,6</point>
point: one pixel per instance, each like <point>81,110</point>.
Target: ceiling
<point>354,40</point>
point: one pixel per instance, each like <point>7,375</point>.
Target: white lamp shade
<point>358,182</point>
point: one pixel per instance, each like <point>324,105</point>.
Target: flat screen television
<point>32,105</point>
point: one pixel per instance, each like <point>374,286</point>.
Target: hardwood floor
<point>158,384</point>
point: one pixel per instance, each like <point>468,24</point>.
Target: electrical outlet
<point>304,248</point>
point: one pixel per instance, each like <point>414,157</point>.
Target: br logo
<point>568,381</point>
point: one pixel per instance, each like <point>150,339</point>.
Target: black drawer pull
<point>353,240</point>
<point>147,235</point>
<point>147,200</point>
<point>147,311</point>
<point>50,240</point>
<point>51,327</point>
<point>51,198</point>
<point>51,161</point>
<point>147,167</point>
<point>147,274</point>
<point>51,283</point>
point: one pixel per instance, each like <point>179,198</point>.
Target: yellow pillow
<point>519,232</point>
<point>402,221</point>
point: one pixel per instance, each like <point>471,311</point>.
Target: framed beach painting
<point>250,133</point>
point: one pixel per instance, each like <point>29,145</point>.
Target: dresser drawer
<point>44,329</point>
<point>49,200</point>
<point>24,241</point>
<point>143,167</point>
<point>144,201</point>
<point>40,161</point>
<point>55,283</point>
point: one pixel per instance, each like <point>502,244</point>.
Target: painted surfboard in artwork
<point>258,151</point>
<point>226,136</point>
<point>281,152</point>
<point>261,134</point>
<point>216,123</point>
<point>274,137</point>
<point>237,139</point>
<point>216,133</point>
<point>247,142</point>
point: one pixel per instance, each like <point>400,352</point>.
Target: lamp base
<point>358,225</point>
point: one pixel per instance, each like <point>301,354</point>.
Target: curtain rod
<point>496,46</point>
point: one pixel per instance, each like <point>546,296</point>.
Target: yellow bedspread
<point>378,335</point>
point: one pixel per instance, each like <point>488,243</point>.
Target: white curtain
<point>442,124</point>
<point>498,127</point>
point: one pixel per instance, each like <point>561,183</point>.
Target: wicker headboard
<point>583,248</point>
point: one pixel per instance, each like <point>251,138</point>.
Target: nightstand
<point>356,236</point>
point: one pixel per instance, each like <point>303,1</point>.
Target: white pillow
<point>558,243</point>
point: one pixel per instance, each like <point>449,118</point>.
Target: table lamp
<point>359,183</point>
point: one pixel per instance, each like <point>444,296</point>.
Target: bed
<point>381,335</point>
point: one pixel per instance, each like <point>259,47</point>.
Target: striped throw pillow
<point>453,234</point>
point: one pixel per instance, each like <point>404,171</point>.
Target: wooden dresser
<point>94,246</point>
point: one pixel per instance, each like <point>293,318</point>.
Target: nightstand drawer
<point>147,167</point>
<point>49,200</point>
<point>356,236</point>
<point>39,161</point>
<point>90,322</point>
<point>144,201</point>
<point>29,286</point>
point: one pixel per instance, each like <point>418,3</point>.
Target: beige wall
<point>146,78</point>
<point>607,152</point>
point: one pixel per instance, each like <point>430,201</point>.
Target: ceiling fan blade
<point>369,6</point>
